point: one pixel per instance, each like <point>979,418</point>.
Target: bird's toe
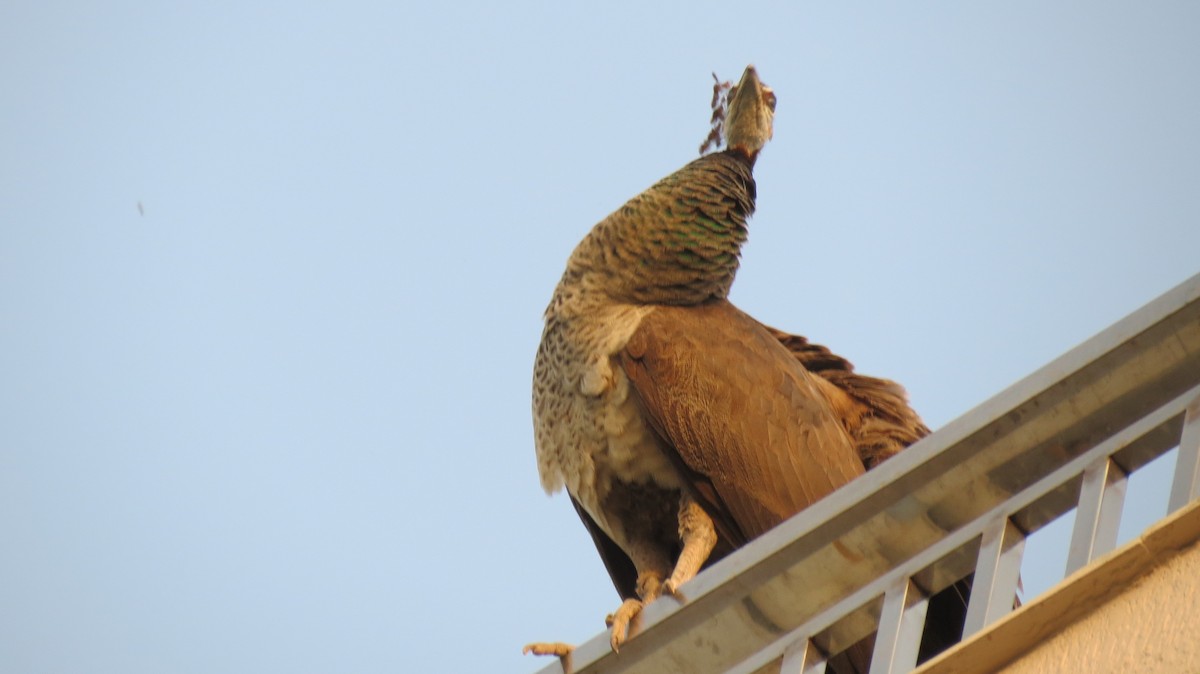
<point>621,621</point>
<point>548,648</point>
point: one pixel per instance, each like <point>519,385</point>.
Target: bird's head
<point>749,122</point>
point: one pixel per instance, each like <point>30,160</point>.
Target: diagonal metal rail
<point>961,501</point>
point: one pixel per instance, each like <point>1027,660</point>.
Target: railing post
<point>1098,515</point>
<point>900,623</point>
<point>803,657</point>
<point>996,575</point>
<point>1186,485</point>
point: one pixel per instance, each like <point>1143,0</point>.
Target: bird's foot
<point>620,622</point>
<point>548,648</point>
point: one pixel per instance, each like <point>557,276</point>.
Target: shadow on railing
<point>961,501</point>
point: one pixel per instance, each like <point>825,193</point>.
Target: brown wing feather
<point>874,411</point>
<point>740,411</point>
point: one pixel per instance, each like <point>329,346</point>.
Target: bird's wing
<point>749,425</point>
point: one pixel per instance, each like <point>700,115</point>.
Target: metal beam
<point>1035,505</point>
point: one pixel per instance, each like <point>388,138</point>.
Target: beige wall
<point>1134,610</point>
<point>1151,626</point>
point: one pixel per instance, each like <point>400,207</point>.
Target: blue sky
<point>278,421</point>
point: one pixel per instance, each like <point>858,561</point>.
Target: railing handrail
<point>797,580</point>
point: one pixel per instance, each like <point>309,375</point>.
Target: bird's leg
<point>698,534</point>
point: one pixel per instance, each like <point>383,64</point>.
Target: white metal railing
<point>961,501</point>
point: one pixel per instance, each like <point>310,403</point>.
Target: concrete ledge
<point>1137,609</point>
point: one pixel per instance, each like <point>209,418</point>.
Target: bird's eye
<point>769,97</point>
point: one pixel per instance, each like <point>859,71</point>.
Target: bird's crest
<point>720,107</point>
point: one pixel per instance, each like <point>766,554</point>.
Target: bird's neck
<point>676,243</point>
